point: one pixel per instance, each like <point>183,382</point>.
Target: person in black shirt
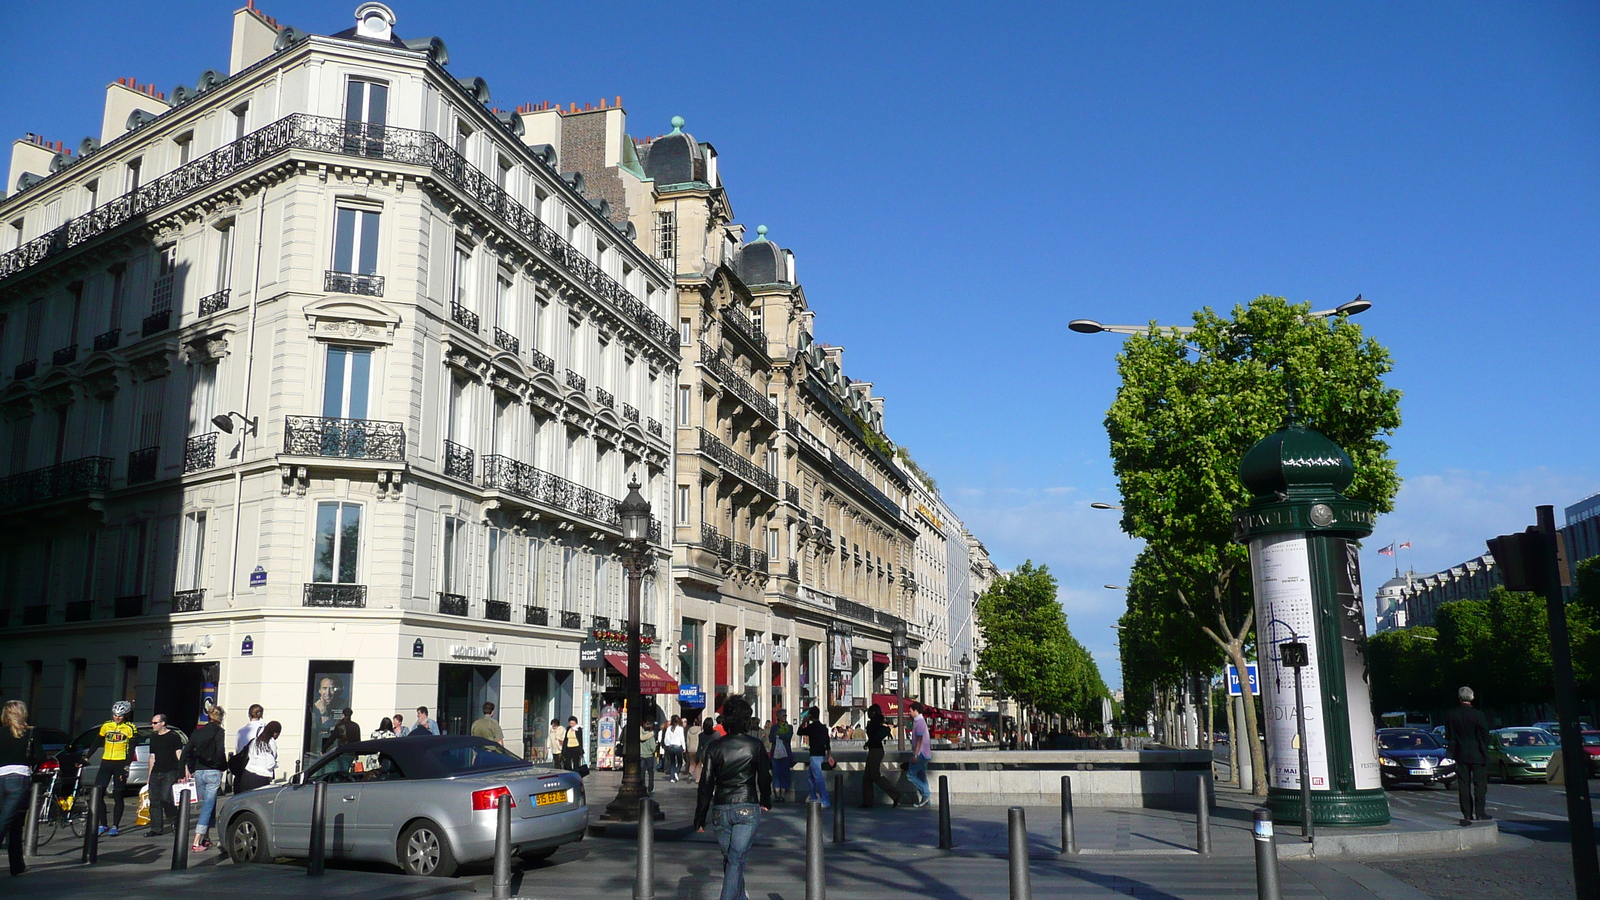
<point>1467,732</point>
<point>735,787</point>
<point>19,755</point>
<point>876,732</point>
<point>166,769</point>
<point>821,746</point>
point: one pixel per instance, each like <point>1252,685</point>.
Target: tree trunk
<point>1233,747</point>
<point>1258,755</point>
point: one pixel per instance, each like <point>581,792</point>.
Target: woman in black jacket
<point>735,786</point>
<point>877,730</point>
<point>205,758</point>
<point>19,754</point>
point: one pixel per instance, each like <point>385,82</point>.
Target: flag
<point>1386,551</point>
<point>1406,546</point>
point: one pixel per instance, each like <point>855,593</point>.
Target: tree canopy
<point>1029,653</point>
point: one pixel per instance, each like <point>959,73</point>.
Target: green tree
<point>1465,644</point>
<point>1519,652</point>
<point>1029,654</point>
<point>1181,423</point>
<point>1405,670</point>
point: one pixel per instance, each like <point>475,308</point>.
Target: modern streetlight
<point>634,512</point>
<point>898,637</point>
<point>1090,326</point>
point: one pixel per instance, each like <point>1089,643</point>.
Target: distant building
<point>1390,601</point>
<point>1582,531</point>
<point>1471,580</point>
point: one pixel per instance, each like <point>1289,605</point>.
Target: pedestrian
<point>781,736</point>
<point>118,735</point>
<point>204,759</point>
<point>424,724</point>
<point>647,752</point>
<point>400,729</point>
<point>19,754</point>
<point>263,763</point>
<point>1467,731</point>
<point>572,750</point>
<point>554,741</point>
<point>487,728</point>
<point>166,770</point>
<point>674,740</point>
<point>921,754</point>
<point>735,787</point>
<point>820,743</point>
<point>385,730</point>
<point>251,728</point>
<point>877,730</point>
<point>708,733</point>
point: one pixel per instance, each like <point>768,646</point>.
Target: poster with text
<point>1357,675</point>
<point>1280,567</point>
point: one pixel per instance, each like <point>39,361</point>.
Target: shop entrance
<point>182,690</point>
<point>462,692</point>
<point>546,695</point>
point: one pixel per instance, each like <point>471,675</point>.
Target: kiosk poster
<point>1280,566</point>
<point>1357,676</point>
<point>606,733</point>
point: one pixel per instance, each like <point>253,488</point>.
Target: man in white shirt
<point>921,753</point>
<point>251,728</point>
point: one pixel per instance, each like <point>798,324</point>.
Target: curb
<point>1435,842</point>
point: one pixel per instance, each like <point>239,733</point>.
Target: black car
<point>1413,756</point>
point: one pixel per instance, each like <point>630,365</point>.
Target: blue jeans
<point>819,781</point>
<point>780,772</point>
<point>735,825</point>
<point>206,783</point>
<point>14,793</point>
<point>917,774</point>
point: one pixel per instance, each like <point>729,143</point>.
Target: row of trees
<point>1029,653</point>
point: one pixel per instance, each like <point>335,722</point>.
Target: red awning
<point>652,678</point>
<point>889,703</point>
<point>881,659</point>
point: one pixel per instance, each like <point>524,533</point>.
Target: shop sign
<point>472,651</point>
<point>755,650</point>
<point>591,655</point>
<point>258,577</point>
<point>860,654</point>
<point>691,695</point>
<point>187,648</point>
<point>247,646</point>
<point>780,653</point>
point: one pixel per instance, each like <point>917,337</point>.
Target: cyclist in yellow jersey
<point>118,735</point>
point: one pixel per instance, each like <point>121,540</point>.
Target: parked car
<point>1521,753</point>
<point>1591,746</point>
<point>1552,726</point>
<point>426,804</point>
<point>1413,756</point>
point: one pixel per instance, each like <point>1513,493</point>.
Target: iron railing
<point>737,553</point>
<point>200,453</point>
<point>724,455</point>
<point>156,322</point>
<point>647,629</point>
<point>630,413</point>
<point>79,610</point>
<point>189,601</point>
<point>576,382</point>
<point>794,570</point>
<point>344,438</point>
<point>599,623</point>
<point>107,340</point>
<point>452,604</point>
<point>66,356</point>
<point>741,323</point>
<point>803,435</point>
<point>604,397</point>
<point>791,494</point>
<point>571,619</point>
<point>464,317</point>
<point>497,610</point>
<point>25,370</point>
<point>352,283</point>
<point>860,483</point>
<point>863,613</point>
<point>712,539</point>
<point>758,560</point>
<point>144,465</point>
<point>541,362</point>
<point>532,483</point>
<point>127,607</point>
<point>215,303</point>
<point>535,615</point>
<point>653,427</point>
<point>346,596</point>
<point>91,473</point>
<point>458,461</point>
<point>744,390</point>
<point>506,341</point>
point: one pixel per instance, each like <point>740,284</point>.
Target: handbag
<point>238,761</point>
<point>829,764</point>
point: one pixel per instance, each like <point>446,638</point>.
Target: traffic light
<point>1524,560</point>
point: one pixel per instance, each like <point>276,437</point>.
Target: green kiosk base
<point>1369,807</point>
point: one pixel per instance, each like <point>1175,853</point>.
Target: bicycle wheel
<point>48,816</point>
<point>78,817</point>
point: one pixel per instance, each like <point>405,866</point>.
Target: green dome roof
<point>1297,461</point>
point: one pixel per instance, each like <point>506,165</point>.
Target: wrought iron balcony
<point>91,473</point>
<point>653,427</point>
<point>35,615</point>
<point>352,283</point>
<point>128,607</point>
<point>648,630</point>
<point>758,560</point>
<point>576,381</point>
<point>599,623</point>
<point>452,604</point>
<point>738,553</point>
<point>712,359</point>
<point>604,397</point>
<point>497,610</point>
<point>794,570</point>
<point>344,596</point>
<point>157,322</point>
<point>462,316</point>
<point>144,465</point>
<point>863,613</point>
<point>724,455</point>
<point>80,610</point>
<point>506,341</point>
<point>571,620</point>
<point>25,370</point>
<point>535,615</point>
<point>630,413</point>
<point>189,601</point>
<point>458,461</point>
<point>503,473</point>
<point>791,494</point>
<point>66,356</point>
<point>803,435</point>
<point>711,539</point>
<point>107,340</point>
<point>215,303</point>
<point>859,482</point>
<point>541,362</point>
<point>344,438</point>
<point>741,323</point>
<point>200,453</point>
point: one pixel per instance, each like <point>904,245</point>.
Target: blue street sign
<point>258,578</point>
<point>1233,681</point>
<point>691,695</point>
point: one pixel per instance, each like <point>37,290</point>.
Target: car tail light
<point>486,799</point>
<point>49,765</point>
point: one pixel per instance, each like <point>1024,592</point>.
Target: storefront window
<point>689,655</point>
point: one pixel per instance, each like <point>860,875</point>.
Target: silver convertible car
<point>424,803</point>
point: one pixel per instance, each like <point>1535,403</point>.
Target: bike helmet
<point>121,708</point>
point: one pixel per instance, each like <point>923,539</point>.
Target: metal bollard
<point>644,882</point>
<point>1069,833</point>
<point>838,808</point>
<point>816,877</point>
<point>1202,823</point>
<point>181,837</point>
<point>91,830</point>
<point>1266,858</point>
<point>1017,831</point>
<point>319,829</point>
<point>946,840</point>
<point>502,847</point>
<point>30,840</point>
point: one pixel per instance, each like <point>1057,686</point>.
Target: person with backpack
<point>204,759</point>
<point>263,759</point>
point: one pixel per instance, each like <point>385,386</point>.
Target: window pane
<point>377,103</point>
<point>354,94</point>
<point>449,580</point>
<point>369,244</point>
<point>360,379</point>
<point>333,386</point>
<point>349,543</point>
<point>322,564</point>
<point>344,239</point>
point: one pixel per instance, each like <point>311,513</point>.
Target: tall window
<point>666,235</point>
<point>355,241</point>
<point>338,547</point>
<point>603,604</point>
<point>453,578</point>
<point>347,382</point>
<point>131,560</point>
<point>536,572</point>
<point>505,312</point>
<point>685,331</point>
<point>772,543</point>
<point>366,112</point>
<point>114,308</point>
<point>241,120</point>
<point>569,579</point>
<point>135,169</point>
<point>192,565</point>
<point>497,583</point>
<point>202,398</point>
<point>185,144</point>
<point>683,504</point>
<point>461,277</point>
<point>225,255</point>
<point>166,274</point>
<point>683,404</point>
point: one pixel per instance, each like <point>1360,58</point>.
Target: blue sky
<point>959,181</point>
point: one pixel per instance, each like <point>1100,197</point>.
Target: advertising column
<point>1302,533</point>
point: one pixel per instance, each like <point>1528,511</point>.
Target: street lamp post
<point>966,701</point>
<point>898,637</point>
<point>634,512</point>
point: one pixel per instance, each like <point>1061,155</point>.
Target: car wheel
<point>424,850</point>
<point>1505,772</point>
<point>247,840</point>
<point>539,855</point>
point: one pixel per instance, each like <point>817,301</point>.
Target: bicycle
<point>56,810</point>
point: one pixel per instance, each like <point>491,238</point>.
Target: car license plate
<point>1422,771</point>
<point>549,797</point>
